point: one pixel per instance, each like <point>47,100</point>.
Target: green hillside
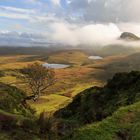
<point>96,103</point>
<point>17,121</point>
<point>124,124</point>
<point>11,100</point>
<point>111,112</point>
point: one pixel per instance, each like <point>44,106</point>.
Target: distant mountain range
<point>23,39</point>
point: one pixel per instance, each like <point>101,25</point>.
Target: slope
<point>124,124</point>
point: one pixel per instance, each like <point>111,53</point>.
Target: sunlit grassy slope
<point>69,81</point>
<point>71,57</point>
<point>49,103</point>
<point>124,124</point>
<point>81,74</point>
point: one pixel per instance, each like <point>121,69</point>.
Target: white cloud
<point>34,2</point>
<point>62,25</point>
<point>108,10</point>
<point>56,2</point>
<point>17,10</point>
<point>68,1</point>
<point>89,1</point>
<point>87,34</point>
<point>16,13</point>
<point>31,15</point>
<point>130,27</point>
<point>14,16</point>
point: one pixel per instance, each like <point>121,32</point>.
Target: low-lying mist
<point>85,35</point>
<point>69,35</point>
<point>93,34</point>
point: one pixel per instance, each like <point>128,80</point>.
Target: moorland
<point>87,86</point>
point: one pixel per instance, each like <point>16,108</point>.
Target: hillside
<point>124,124</point>
<point>97,113</point>
<point>16,120</point>
<point>115,49</point>
<point>11,100</point>
<point>88,107</point>
<point>97,103</point>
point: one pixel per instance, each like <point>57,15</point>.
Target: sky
<point>70,22</point>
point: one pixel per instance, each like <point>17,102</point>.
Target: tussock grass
<point>123,124</point>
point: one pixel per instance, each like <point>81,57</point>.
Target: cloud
<point>31,15</point>
<point>34,2</point>
<point>16,13</point>
<point>16,10</point>
<point>108,10</point>
<point>14,16</point>
<point>73,35</point>
<point>56,2</point>
<point>22,39</point>
<point>75,22</point>
<point>92,34</point>
<point>130,27</point>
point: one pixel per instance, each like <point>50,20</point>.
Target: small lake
<point>95,57</point>
<point>55,66</point>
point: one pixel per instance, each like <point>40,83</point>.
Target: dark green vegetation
<point>124,124</point>
<point>17,119</point>
<point>95,104</point>
<point>11,100</point>
<point>13,114</point>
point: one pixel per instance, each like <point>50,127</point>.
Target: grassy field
<point>82,74</point>
<point>49,103</point>
<point>69,81</point>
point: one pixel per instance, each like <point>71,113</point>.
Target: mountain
<point>23,39</point>
<point>123,64</point>
<point>116,49</point>
<point>129,36</point>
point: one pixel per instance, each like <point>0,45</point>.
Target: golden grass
<point>73,57</point>
<point>69,80</point>
<point>8,79</point>
<point>49,103</point>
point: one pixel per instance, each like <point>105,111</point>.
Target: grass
<point>68,57</point>
<point>4,136</point>
<point>8,79</point>
<point>123,124</point>
<point>53,102</point>
<point>74,80</point>
<point>49,103</point>
<point>13,116</point>
<point>70,80</point>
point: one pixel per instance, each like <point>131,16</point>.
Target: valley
<point>81,74</point>
<point>69,70</point>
